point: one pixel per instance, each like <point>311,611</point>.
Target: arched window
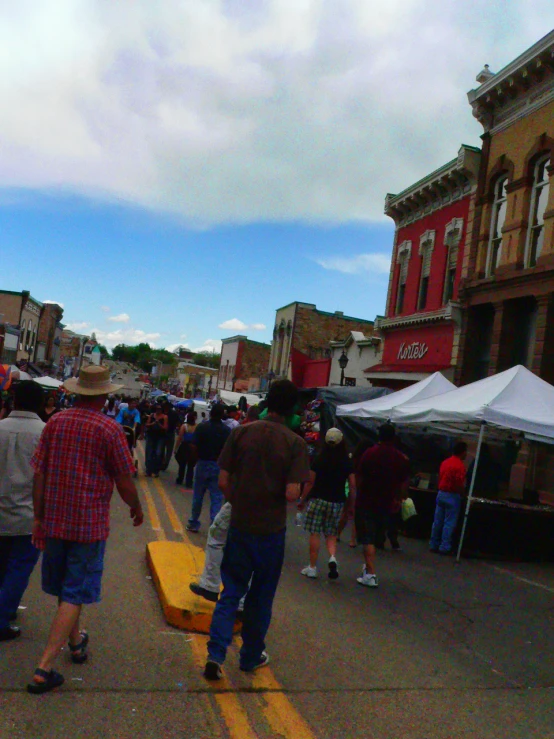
<point>539,199</point>
<point>452,238</point>
<point>426,244</point>
<point>403,261</point>
<point>497,223</point>
<point>22,335</point>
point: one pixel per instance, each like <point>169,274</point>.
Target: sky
<point>175,171</point>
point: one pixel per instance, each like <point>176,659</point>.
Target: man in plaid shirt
<point>81,455</point>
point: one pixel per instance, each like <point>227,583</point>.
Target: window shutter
<point>426,260</point>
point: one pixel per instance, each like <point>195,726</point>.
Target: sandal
<point>78,651</point>
<point>52,680</point>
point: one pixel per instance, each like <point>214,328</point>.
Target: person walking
<point>326,494</point>
<point>383,475</point>
<point>207,442</point>
<point>452,483</point>
<point>19,436</point>
<point>80,456</point>
<point>262,467</point>
<point>49,410</point>
<point>184,454</point>
<point>173,423</point>
<point>155,431</point>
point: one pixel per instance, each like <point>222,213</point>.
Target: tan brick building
<point>301,348</point>
<point>508,270</point>
<point>49,336</point>
<point>244,364</point>
<point>22,314</point>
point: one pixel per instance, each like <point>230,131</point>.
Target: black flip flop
<point>52,680</point>
<point>78,651</point>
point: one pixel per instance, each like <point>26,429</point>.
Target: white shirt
<point>231,423</point>
<point>19,436</point>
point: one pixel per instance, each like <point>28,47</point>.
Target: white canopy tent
<point>385,407</point>
<point>232,398</point>
<point>49,382</point>
<point>512,400</point>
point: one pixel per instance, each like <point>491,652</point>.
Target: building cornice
<point>449,183</point>
<point>450,312</point>
<point>521,87</point>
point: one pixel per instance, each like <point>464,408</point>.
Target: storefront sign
<point>417,350</point>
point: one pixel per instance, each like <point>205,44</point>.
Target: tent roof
<point>515,399</point>
<point>384,407</point>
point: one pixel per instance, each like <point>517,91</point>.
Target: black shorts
<point>371,527</point>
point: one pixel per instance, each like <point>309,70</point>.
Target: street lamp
<point>270,377</point>
<point>343,361</point>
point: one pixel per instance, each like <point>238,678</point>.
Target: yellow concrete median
<point>174,565</point>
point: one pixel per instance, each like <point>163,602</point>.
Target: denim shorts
<point>371,527</point>
<point>72,571</point>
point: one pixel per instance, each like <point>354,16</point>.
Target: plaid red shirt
<point>80,453</point>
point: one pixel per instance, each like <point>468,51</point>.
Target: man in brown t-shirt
<point>262,467</point>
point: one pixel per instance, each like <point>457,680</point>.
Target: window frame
<point>452,240</point>
<point>426,246</point>
<point>537,187</point>
<point>402,257</point>
<point>500,198</point>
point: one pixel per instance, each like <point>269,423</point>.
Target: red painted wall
<point>436,221</point>
<point>316,373</point>
<point>438,338</point>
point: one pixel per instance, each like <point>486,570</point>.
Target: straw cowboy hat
<point>93,380</point>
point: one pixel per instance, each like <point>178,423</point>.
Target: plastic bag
<point>408,509</point>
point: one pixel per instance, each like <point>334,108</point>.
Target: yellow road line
<point>152,510</point>
<point>233,712</point>
<point>171,512</point>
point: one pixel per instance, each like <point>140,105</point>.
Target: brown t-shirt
<point>262,458</point>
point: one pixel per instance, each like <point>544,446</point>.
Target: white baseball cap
<point>333,437</point>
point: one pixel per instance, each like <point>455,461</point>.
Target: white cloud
<point>129,336</point>
<point>77,326</point>
<point>56,302</point>
<point>361,264</point>
<point>210,345</point>
<point>121,318</point>
<point>174,347</point>
<point>237,112</point>
<point>258,326</point>
<point>233,324</point>
<point>104,309</point>
<point>183,336</point>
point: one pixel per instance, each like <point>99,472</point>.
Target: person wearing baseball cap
<point>326,494</point>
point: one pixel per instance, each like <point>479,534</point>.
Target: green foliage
<point>207,359</point>
<point>142,355</point>
<point>103,351</point>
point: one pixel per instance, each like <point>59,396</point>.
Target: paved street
<point>439,651</point>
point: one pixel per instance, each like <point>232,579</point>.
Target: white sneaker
<point>309,571</point>
<point>367,580</point>
<point>333,569</point>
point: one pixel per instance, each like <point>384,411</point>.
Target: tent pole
<point>471,486</point>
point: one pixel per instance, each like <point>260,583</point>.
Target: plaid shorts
<point>323,517</point>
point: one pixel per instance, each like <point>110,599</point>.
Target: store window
<point>22,336</point>
<point>452,238</point>
<point>497,223</point>
<point>523,331</point>
<point>481,322</point>
<point>403,261</point>
<point>539,199</point>
<point>426,245</point>
<point>29,337</point>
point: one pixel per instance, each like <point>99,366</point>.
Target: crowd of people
<point>252,464</point>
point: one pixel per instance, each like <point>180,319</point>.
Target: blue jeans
<point>206,476</point>
<point>446,517</point>
<point>72,571</point>
<point>18,558</point>
<point>153,455</point>
<point>246,556</point>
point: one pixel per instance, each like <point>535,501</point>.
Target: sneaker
<point>333,569</point>
<point>9,632</point>
<point>192,529</point>
<point>309,571</point>
<point>213,671</point>
<point>264,660</point>
<point>203,592</point>
<point>367,580</point>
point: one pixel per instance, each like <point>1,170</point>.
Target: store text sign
<point>416,350</point>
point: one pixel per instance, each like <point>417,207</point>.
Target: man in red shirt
<point>382,477</point>
<point>452,483</point>
<point>80,455</point>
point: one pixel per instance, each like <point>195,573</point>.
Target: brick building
<point>49,336</point>
<point>21,314</point>
<point>301,348</point>
<point>508,271</point>
<point>422,324</point>
<point>244,364</point>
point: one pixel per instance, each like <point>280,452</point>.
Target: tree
<point>207,359</point>
<point>104,352</point>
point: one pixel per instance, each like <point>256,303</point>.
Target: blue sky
<point>174,172</point>
<point>179,282</point>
